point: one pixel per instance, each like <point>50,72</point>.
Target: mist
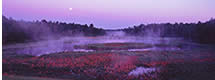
<point>45,37</point>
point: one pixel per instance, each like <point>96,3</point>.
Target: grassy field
<point>104,63</point>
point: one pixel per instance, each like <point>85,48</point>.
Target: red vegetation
<point>107,65</point>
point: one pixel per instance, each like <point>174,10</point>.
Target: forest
<point>196,32</point>
<point>24,31</point>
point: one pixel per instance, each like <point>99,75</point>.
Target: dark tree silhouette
<point>199,32</point>
<point>22,31</point>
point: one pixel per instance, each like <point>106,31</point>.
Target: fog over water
<point>66,44</point>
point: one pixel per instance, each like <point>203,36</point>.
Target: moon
<point>70,9</point>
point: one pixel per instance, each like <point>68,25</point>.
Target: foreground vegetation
<point>108,65</point>
<point>12,77</point>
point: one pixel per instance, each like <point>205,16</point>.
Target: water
<point>66,44</point>
<point>142,70</point>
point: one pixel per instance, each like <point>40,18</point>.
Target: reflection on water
<point>82,50</point>
<point>142,70</point>
<point>156,48</point>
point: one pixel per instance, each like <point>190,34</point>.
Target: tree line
<point>23,31</point>
<point>196,32</point>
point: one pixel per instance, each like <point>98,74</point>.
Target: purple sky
<point>111,14</point>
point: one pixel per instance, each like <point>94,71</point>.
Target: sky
<point>111,14</point>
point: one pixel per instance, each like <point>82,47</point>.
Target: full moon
<point>70,9</point>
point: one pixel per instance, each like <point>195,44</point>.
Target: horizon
<point>110,14</point>
<point>108,28</point>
